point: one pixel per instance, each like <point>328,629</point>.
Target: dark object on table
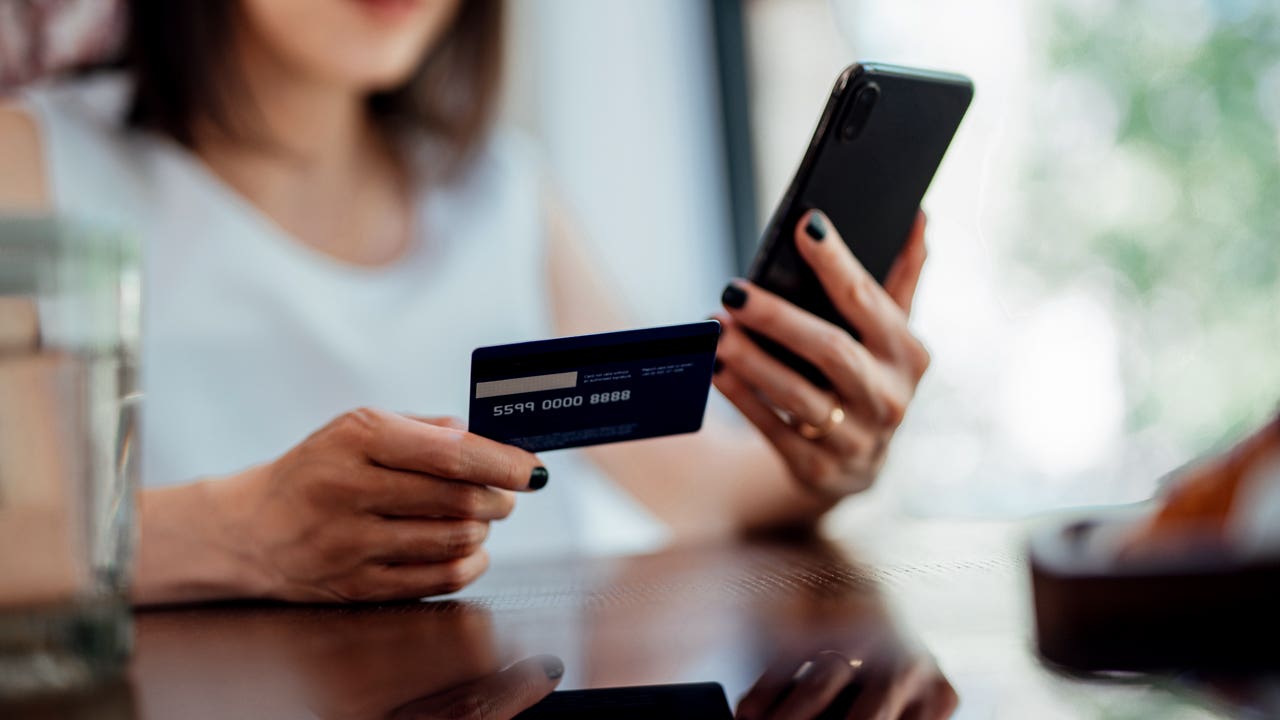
<point>1099,612</point>
<point>700,701</point>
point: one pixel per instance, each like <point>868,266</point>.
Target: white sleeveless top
<point>251,340</point>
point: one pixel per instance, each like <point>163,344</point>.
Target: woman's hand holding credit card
<point>373,506</point>
<point>833,441</point>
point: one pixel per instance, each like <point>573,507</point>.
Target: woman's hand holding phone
<point>374,506</point>
<point>833,441</point>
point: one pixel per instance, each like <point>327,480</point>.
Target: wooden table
<point>892,599</point>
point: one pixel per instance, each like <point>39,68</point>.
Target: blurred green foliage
<point>1187,97</point>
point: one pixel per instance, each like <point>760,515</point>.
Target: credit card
<point>594,389</point>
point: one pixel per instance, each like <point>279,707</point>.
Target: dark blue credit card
<point>594,389</point>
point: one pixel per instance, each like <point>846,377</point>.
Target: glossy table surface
<point>931,612</point>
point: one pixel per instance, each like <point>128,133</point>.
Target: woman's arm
<point>188,552</point>
<point>22,174</point>
<point>728,477</point>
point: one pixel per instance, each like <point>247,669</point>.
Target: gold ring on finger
<point>855,663</point>
<point>809,431</point>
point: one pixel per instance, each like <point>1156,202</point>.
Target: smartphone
<point>877,146</point>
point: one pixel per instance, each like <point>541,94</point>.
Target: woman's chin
<point>372,45</point>
<point>373,77</point>
<point>380,82</point>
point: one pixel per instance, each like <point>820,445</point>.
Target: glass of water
<point>69,331</point>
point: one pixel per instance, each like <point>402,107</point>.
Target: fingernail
<point>733,296</point>
<point>553,667</point>
<point>816,228</point>
<point>716,367</point>
<point>538,478</point>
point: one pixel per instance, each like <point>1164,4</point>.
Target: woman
<point>316,184</point>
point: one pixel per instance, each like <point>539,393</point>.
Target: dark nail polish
<point>553,667</point>
<point>538,478</point>
<point>733,297</point>
<point>816,228</point>
<point>716,367</point>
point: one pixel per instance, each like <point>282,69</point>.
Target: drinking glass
<point>69,330</point>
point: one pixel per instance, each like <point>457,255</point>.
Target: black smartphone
<point>877,146</point>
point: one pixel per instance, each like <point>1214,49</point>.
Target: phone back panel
<point>870,186</point>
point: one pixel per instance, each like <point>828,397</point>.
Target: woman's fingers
<point>816,464</point>
<point>815,686</point>
<point>781,435</point>
<point>844,361</point>
<point>401,494</point>
<point>785,388</point>
<point>399,542</point>
<point>833,684</point>
<point>500,696</point>
<point>891,689</point>
<point>765,693</point>
<point>787,391</point>
<point>397,582</point>
<point>445,421</point>
<point>852,290</point>
<point>396,441</point>
<point>904,276</point>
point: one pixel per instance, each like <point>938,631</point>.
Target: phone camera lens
<point>864,99</point>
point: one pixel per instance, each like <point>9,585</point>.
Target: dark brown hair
<point>179,52</point>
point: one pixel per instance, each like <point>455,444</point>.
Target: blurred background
<point>1101,298</point>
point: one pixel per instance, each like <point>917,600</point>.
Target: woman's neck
<point>314,161</point>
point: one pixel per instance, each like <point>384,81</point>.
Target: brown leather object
<point>1209,610</point>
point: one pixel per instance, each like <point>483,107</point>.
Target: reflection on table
<point>782,627</point>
